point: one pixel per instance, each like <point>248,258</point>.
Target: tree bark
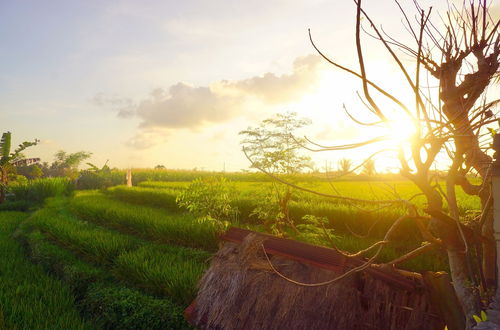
<point>466,293</point>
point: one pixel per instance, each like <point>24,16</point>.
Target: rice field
<point>129,257</point>
<point>29,297</point>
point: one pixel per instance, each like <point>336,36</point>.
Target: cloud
<point>186,106</point>
<point>124,106</point>
<point>284,88</point>
<point>146,139</point>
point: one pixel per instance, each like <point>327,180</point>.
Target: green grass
<point>164,198</point>
<point>36,191</point>
<point>164,270</point>
<point>29,298</point>
<point>147,222</point>
<point>174,185</point>
<point>342,216</point>
<point>116,307</point>
<point>100,245</point>
<point>169,270</point>
<point>101,299</point>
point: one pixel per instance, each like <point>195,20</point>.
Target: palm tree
<point>345,165</point>
<point>369,167</point>
<point>8,159</point>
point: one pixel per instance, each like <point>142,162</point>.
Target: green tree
<point>272,147</point>
<point>8,159</point>
<point>35,172</point>
<point>210,199</point>
<point>66,164</point>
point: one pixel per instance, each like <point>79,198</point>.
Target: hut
<point>243,290</point>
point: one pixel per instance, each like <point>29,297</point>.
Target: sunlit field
<point>121,246</point>
<point>249,165</point>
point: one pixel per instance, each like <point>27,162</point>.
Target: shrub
<point>123,308</point>
<point>36,191</point>
<point>210,199</point>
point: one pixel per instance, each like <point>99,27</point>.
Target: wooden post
<point>129,177</point>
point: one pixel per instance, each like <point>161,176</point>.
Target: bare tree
<point>459,51</point>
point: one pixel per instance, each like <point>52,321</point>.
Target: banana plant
<point>8,158</point>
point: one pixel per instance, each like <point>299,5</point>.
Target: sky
<point>143,83</point>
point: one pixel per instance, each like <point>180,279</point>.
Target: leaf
<point>477,319</point>
<point>492,131</point>
<point>484,317</point>
<point>5,147</point>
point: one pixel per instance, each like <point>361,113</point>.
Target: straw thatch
<point>241,291</point>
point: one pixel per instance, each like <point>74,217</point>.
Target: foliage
<point>66,164</point>
<point>164,198</point>
<point>272,208</point>
<point>210,200</point>
<point>36,191</point>
<point>114,307</point>
<point>129,258</point>
<point>8,158</point>
<point>29,298</point>
<point>35,172</point>
<point>482,318</point>
<point>178,269</point>
<point>100,179</point>
<point>146,222</point>
<point>272,146</point>
<point>108,305</point>
<point>315,230</point>
<point>345,165</point>
<point>96,178</point>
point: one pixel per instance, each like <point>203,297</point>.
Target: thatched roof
<point>241,291</point>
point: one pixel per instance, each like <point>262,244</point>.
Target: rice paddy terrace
<point>129,258</point>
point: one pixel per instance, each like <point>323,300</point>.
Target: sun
<point>401,129</point>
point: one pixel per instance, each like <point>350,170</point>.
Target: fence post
<point>129,177</point>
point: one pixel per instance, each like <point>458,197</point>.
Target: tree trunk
<point>466,293</point>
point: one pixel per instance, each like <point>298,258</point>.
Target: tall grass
<point>29,298</point>
<point>343,217</point>
<point>98,244</point>
<point>107,304</point>
<point>164,198</point>
<point>147,222</point>
<point>173,185</point>
<point>164,270</point>
<point>36,191</point>
<point>128,258</point>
